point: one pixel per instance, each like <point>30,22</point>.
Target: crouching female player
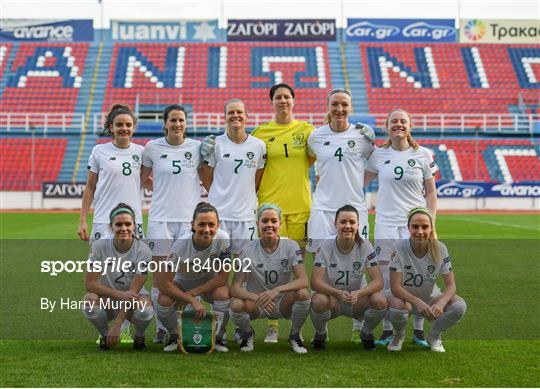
<point>114,293</point>
<point>415,265</point>
<point>338,268</point>
<point>275,286</point>
<point>196,270</point>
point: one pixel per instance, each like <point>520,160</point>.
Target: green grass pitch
<point>496,259</point>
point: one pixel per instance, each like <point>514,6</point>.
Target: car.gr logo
<point>455,189</point>
<point>371,30</point>
<point>475,30</point>
<point>425,30</point>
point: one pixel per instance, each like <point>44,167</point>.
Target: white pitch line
<point>497,223</point>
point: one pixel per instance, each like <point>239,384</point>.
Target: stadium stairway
<point>357,80</point>
<point>336,66</point>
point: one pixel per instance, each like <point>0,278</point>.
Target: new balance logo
<point>327,143</point>
<point>226,155</point>
<point>112,159</point>
<point>163,156</point>
<point>271,139</point>
<point>387,162</point>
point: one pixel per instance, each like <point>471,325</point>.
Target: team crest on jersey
<point>351,143</point>
<point>188,155</point>
<point>411,162</point>
<point>197,338</point>
<point>356,266</point>
<point>97,235</point>
<point>284,262</point>
<point>431,269</point>
<point>298,139</point>
<point>250,155</point>
<point>151,245</point>
<point>378,250</point>
<point>135,158</point>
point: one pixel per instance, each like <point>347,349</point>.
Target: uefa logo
<point>475,30</point>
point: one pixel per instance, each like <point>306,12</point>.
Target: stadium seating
<point>25,164</point>
<point>5,50</point>
<point>44,77</point>
<point>203,76</point>
<point>450,78</point>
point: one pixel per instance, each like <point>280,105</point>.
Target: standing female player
<point>406,180</point>
<point>231,174</point>
<point>338,279</point>
<point>174,162</point>
<point>415,265</point>
<point>118,294</point>
<point>275,286</point>
<point>114,175</point>
<point>195,268</point>
<point>341,150</point>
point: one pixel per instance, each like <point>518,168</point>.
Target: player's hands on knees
<point>267,296</point>
<point>345,296</point>
<point>200,312</point>
<point>424,309</point>
<point>437,309</point>
<point>207,145</point>
<point>113,337</point>
<point>366,130</point>
<point>269,307</point>
<point>129,295</point>
<point>83,231</point>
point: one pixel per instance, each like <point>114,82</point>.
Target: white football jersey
<point>114,277</point>
<point>345,271</point>
<point>176,179</point>
<point>119,179</point>
<point>184,256</point>
<point>341,158</point>
<point>401,182</point>
<point>233,189</point>
<point>419,274</point>
<point>269,270</point>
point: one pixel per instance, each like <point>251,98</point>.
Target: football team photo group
<point>244,250</point>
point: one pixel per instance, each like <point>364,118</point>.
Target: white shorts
<point>385,238</point>
<point>161,236</point>
<point>103,231</point>
<point>321,226</point>
<point>240,233</point>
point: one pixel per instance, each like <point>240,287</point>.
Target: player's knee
<point>459,306</point>
<point>91,298</point>
<point>222,293</point>
<point>164,300</point>
<point>237,305</point>
<point>378,301</point>
<point>302,295</point>
<point>319,303</point>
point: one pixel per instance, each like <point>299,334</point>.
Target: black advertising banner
<point>272,30</point>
